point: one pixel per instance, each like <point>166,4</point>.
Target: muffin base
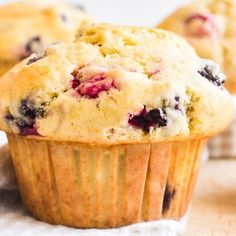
<point>88,186</point>
<point>10,208</point>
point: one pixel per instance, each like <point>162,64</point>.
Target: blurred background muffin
<point>210,26</point>
<point>28,26</point>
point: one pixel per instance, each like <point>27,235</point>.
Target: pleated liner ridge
<point>103,187</point>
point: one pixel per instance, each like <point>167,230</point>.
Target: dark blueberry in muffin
<point>177,98</point>
<point>9,117</point>
<point>207,73</point>
<point>26,122</point>
<point>30,45</point>
<point>174,103</point>
<point>34,45</point>
<point>25,131</point>
<point>26,127</point>
<point>168,197</point>
<point>40,112</point>
<point>147,119</point>
<point>27,109</point>
<point>177,104</point>
<point>34,59</point>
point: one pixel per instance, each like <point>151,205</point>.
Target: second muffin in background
<point>210,26</point>
<point>29,26</point>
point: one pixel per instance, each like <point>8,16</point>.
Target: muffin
<point>28,26</point>
<point>109,130</point>
<point>210,26</point>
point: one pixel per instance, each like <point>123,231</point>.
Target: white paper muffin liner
<point>14,220</point>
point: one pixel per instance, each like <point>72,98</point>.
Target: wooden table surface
<point>213,210</point>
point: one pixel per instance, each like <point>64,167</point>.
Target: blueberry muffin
<point>210,26</point>
<point>109,130</point>
<point>28,26</point>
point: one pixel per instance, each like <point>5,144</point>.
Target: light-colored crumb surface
<point>148,69</point>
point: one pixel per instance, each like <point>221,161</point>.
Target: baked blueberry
<point>146,119</point>
<point>173,103</point>
<point>177,104</point>
<point>34,45</point>
<point>26,122</point>
<point>27,109</point>
<point>212,73</point>
<point>34,59</point>
<point>26,128</point>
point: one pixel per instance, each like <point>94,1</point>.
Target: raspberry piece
<point>201,25</point>
<point>93,87</point>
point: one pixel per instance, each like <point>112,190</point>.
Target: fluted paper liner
<point>89,186</point>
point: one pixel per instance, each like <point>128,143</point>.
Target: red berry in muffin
<point>201,25</point>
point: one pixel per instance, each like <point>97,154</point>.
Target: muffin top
<point>115,84</point>
<point>210,26</point>
<point>27,26</point>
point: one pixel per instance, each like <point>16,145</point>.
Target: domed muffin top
<point>115,84</point>
<point>210,27</point>
<point>27,26</point>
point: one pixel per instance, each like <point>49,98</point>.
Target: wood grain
<point>213,210</point>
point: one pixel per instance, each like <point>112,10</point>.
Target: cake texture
<point>109,130</point>
<point>29,26</point>
<point>209,25</point>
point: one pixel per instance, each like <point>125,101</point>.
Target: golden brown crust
<point>137,71</point>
